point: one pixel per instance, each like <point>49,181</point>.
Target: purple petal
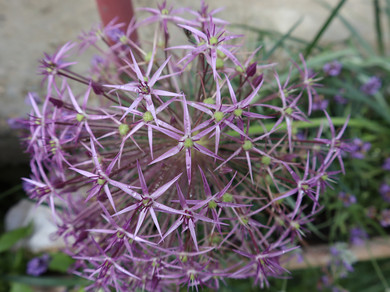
<point>142,180</point>
<point>161,190</point>
<point>173,151</point>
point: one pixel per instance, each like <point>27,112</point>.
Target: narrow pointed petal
<point>157,74</point>
<point>182,200</point>
<point>150,139</point>
<point>166,209</point>
<point>127,209</point>
<point>73,100</point>
<point>154,218</point>
<point>161,190</point>
<point>160,92</point>
<point>95,156</point>
<point>135,67</point>
<point>188,164</point>
<point>230,157</point>
<point>191,226</point>
<point>194,31</point>
<point>141,218</point>
<point>173,151</point>
<point>206,185</point>
<point>141,178</point>
<point>231,91</point>
<point>125,188</point>
<point>248,159</point>
<point>206,151</point>
<point>109,196</point>
<point>186,118</point>
<point>175,225</point>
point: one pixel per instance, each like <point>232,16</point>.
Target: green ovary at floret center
<point>148,117</point>
<point>238,112</point>
<point>188,143</point>
<point>247,145</point>
<point>218,116</point>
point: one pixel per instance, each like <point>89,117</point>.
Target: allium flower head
<point>171,166</point>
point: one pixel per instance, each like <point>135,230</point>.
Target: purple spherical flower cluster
<point>173,167</point>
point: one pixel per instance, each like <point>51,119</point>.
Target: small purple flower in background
<point>38,265</point>
<point>371,86</point>
<point>340,99</point>
<point>385,192</point>
<point>97,61</point>
<point>326,281</point>
<point>333,68</point>
<point>357,236</point>
<point>17,123</point>
<point>371,212</point>
<point>359,148</point>
<point>36,98</point>
<point>347,199</point>
<point>338,289</point>
<point>115,34</point>
<point>385,218</point>
<point>341,261</point>
<point>319,103</point>
<point>386,165</point>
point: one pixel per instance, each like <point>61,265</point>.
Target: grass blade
<point>283,38</point>
<point>378,27</point>
<point>364,44</point>
<point>335,11</point>
<point>270,33</point>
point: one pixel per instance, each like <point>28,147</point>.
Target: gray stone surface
<point>42,237</point>
<point>29,28</point>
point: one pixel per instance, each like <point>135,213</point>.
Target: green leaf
<point>316,122</point>
<point>378,27</point>
<point>7,240</point>
<point>68,281</point>
<point>19,287</point>
<point>60,262</point>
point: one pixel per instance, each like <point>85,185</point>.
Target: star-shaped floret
<point>186,141</point>
<point>146,202</point>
